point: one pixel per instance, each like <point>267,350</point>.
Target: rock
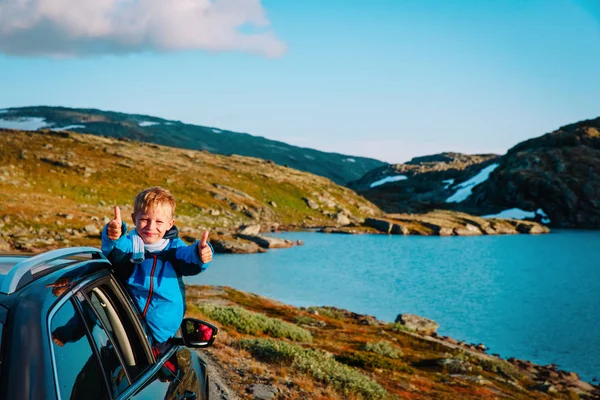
<point>418,324</point>
<point>268,242</point>
<point>91,230</point>
<point>399,229</point>
<point>231,245</point>
<point>444,231</point>
<point>251,214</point>
<point>262,392</point>
<point>249,230</point>
<point>342,219</point>
<point>468,230</point>
<point>4,245</point>
<point>531,228</point>
<point>380,224</point>
<point>311,203</point>
<point>273,204</point>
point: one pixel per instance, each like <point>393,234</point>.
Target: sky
<point>387,79</point>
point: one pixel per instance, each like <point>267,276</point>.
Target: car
<point>69,330</point>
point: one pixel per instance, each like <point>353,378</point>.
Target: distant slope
<point>337,167</point>
<point>554,179</point>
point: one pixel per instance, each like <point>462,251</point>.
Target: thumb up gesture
<point>204,249</point>
<point>114,226</point>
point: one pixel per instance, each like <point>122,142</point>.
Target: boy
<point>151,260</point>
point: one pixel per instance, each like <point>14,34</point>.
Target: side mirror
<point>197,334</point>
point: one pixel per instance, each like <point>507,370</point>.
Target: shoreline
<point>426,355</point>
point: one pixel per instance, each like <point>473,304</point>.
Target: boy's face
<point>154,223</point>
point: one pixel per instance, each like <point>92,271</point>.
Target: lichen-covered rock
<point>418,324</point>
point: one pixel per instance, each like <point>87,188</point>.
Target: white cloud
<point>67,28</point>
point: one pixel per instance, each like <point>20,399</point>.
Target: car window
<point>99,323</point>
<point>119,326</point>
<point>77,369</point>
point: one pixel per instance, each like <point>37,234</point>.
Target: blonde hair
<point>151,198</point>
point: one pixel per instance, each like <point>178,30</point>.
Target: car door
<point>135,369</point>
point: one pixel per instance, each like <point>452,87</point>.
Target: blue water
<point>531,297</point>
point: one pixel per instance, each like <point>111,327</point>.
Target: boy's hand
<point>114,226</point>
<point>204,249</point>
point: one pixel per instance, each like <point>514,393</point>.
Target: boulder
<point>418,324</point>
<point>310,203</point>
<point>249,230</point>
<point>342,219</point>
<point>235,246</point>
<point>268,242</point>
<point>261,391</point>
<point>91,230</point>
<point>467,230</point>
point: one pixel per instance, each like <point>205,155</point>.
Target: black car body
<point>69,330</point>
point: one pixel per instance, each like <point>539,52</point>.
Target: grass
<point>252,323</point>
<point>320,365</point>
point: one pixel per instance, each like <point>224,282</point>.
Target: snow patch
<point>349,160</point>
<point>3,111</point>
<point>388,179</point>
<point>148,123</point>
<point>217,131</point>
<point>517,213</point>
<point>169,123</point>
<point>465,189</point>
<point>448,182</point>
<point>24,123</point>
<point>309,157</point>
<point>66,128</point>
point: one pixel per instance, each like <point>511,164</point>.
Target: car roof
<point>7,262</point>
<point>17,271</point>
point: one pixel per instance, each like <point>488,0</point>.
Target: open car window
<point>120,326</point>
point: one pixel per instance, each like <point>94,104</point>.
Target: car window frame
<point>69,296</point>
<point>138,321</point>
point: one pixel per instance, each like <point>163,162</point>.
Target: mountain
<point>554,179</point>
<point>337,167</point>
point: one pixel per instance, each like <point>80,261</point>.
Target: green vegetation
<point>252,323</point>
<point>320,365</point>
<point>383,348</point>
<point>398,327</point>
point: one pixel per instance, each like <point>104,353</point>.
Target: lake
<point>534,297</point>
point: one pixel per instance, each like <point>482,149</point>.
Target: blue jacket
<point>156,285</point>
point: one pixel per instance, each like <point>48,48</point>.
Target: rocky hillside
<point>554,179</point>
<point>420,185</point>
<point>337,167</point>
<point>268,350</point>
<point>58,188</point>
